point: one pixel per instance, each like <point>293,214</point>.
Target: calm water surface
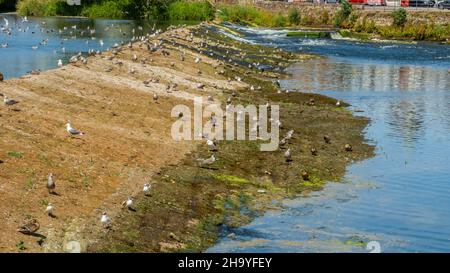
<point>39,42</point>
<point>401,197</point>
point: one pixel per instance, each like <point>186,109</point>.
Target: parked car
<point>421,3</point>
<point>444,4</point>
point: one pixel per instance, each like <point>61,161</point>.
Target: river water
<point>38,43</point>
<point>399,198</point>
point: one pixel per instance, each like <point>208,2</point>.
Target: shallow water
<point>59,38</point>
<point>399,198</point>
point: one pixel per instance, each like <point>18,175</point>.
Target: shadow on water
<point>399,197</point>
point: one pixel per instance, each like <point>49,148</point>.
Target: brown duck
<point>305,175</point>
<point>29,227</point>
<point>348,147</point>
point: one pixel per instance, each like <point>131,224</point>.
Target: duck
<point>313,151</point>
<point>327,139</point>
<point>29,227</point>
<point>348,147</point>
<point>305,175</point>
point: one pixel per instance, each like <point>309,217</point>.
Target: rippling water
<point>38,43</point>
<point>401,197</point>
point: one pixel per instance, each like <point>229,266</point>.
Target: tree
<point>294,16</point>
<point>400,17</point>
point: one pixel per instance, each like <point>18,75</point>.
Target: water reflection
<point>60,38</point>
<point>405,90</point>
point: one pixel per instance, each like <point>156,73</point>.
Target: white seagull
<point>49,209</point>
<point>147,188</point>
<point>72,131</point>
<point>104,220</point>
<point>128,203</point>
<point>60,63</point>
<point>8,101</point>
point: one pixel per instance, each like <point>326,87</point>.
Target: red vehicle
<point>376,2</point>
<point>358,2</point>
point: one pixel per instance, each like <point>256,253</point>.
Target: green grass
<point>190,11</point>
<point>251,16</point>
<point>15,154</point>
<point>309,34</point>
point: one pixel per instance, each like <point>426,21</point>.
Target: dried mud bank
<point>128,143</point>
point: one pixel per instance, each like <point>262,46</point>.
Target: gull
<point>5,45</point>
<point>8,101</point>
<point>207,161</point>
<point>252,88</point>
<point>6,22</point>
<point>60,63</point>
<point>338,103</point>
<point>51,185</point>
<point>134,58</point>
<point>34,47</point>
<point>147,188</point>
<point>211,144</point>
<point>101,43</point>
<point>72,131</point>
<point>24,19</point>
<point>197,60</point>
<point>49,210</point>
<point>128,203</point>
<point>287,155</point>
<point>155,97</point>
<point>105,220</point>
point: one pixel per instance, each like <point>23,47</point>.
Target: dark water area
<point>401,197</point>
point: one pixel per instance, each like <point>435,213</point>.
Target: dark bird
<point>29,227</point>
<point>348,147</point>
<point>327,139</point>
<point>313,151</point>
<point>305,175</point>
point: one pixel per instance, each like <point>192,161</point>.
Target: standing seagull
<point>51,185</point>
<point>72,131</point>
<point>49,210</point>
<point>60,63</point>
<point>128,203</point>
<point>287,155</point>
<point>8,101</point>
<point>146,189</point>
<point>104,220</point>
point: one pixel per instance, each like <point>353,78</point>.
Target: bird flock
<point>32,225</point>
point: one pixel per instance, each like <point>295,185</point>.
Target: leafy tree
<point>294,16</point>
<point>400,17</point>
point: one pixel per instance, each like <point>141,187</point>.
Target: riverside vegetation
<point>356,23</point>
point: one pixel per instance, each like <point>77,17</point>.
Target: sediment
<point>128,142</point>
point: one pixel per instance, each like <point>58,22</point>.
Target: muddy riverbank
<point>128,143</point>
